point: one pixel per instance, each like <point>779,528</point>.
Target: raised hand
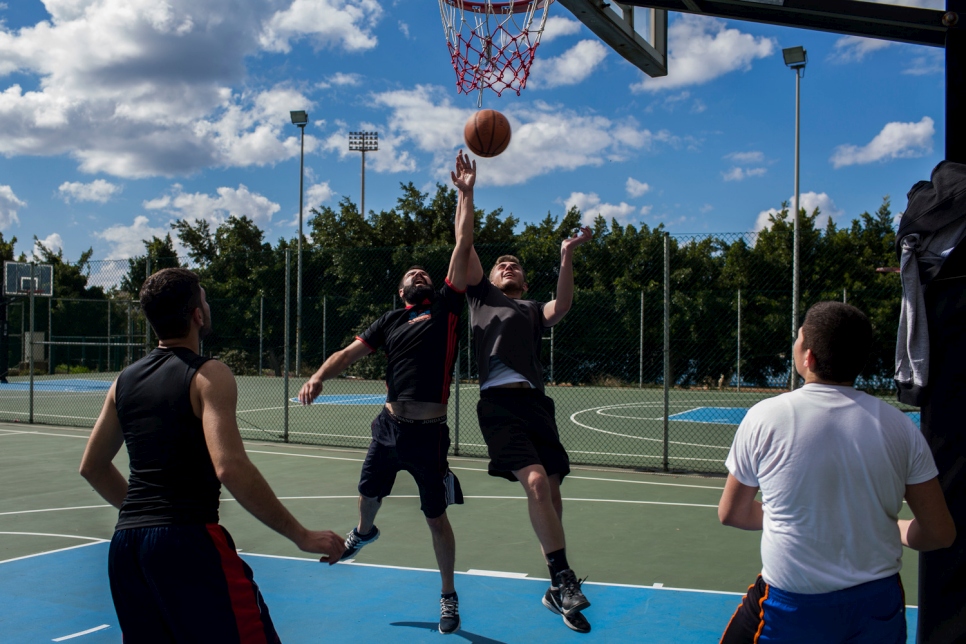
<point>581,236</point>
<point>465,175</point>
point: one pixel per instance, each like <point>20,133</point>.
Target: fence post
<point>738,364</point>
<point>325,323</point>
<point>552,381</point>
<point>50,336</point>
<point>667,343</point>
<point>261,331</point>
<point>31,345</point>
<point>130,329</point>
<point>640,383</point>
<point>288,297</point>
<point>147,325</point>
<point>469,340</point>
<point>845,299</point>
<point>456,423</point>
<point>108,334</point>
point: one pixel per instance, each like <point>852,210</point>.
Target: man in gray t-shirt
<point>516,417</point>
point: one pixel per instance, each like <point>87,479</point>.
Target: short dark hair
<point>168,299</point>
<point>840,337</point>
<point>411,268</point>
<point>509,258</point>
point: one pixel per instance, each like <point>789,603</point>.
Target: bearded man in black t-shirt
<point>516,417</point>
<point>410,433</point>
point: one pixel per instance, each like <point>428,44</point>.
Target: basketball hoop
<point>492,44</point>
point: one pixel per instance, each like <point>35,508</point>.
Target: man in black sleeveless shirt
<point>411,432</point>
<point>175,574</point>
<point>516,417</point>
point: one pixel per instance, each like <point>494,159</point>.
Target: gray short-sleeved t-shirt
<point>508,329</point>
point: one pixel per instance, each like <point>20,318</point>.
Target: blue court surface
<point>348,399</point>
<point>733,415</point>
<point>67,385</point>
<point>64,596</point>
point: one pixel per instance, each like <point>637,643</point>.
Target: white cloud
<point>137,88</point>
<point>318,194</point>
<point>569,68</point>
<point>744,158</point>
<point>590,207</point>
<point>52,242</point>
<point>808,201</point>
<point>636,188</point>
<point>9,206</point>
<point>701,49</point>
<point>737,173</point>
<point>545,138</point>
<point>928,62</point>
<point>558,26</point>
<point>853,49</point>
<point>98,190</point>
<point>344,24</point>
<point>404,29</point>
<point>340,79</point>
<point>229,202</point>
<point>895,141</point>
<point>128,241</point>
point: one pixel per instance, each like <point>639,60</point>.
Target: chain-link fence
<point>669,340</point>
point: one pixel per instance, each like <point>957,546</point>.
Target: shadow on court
<point>64,596</point>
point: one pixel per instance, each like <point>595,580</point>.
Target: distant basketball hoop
<point>23,279</point>
<point>492,44</point>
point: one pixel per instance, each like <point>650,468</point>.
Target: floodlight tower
<point>363,142</point>
<point>795,58</point>
<point>300,118</point>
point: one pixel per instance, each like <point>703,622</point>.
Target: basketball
<point>487,133</point>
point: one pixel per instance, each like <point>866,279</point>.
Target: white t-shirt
<point>832,464</point>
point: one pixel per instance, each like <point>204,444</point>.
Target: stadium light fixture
<point>363,142</point>
<point>301,119</point>
<point>795,59</point>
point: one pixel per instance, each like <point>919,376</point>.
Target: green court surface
<point>623,527</point>
<point>600,425</point>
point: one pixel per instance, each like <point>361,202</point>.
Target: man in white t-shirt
<point>833,465</point>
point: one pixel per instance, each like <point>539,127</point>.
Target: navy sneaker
<point>354,542</point>
<point>449,615</point>
<point>575,621</point>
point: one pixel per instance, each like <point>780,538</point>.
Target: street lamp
<point>363,142</point>
<point>301,119</point>
<point>795,58</point>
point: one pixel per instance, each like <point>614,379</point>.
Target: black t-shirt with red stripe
<point>420,342</point>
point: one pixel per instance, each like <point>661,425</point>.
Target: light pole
<point>795,58</point>
<point>301,119</point>
<point>363,142</point>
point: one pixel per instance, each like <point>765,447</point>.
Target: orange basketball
<point>487,133</point>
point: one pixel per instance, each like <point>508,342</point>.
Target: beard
<point>417,293</point>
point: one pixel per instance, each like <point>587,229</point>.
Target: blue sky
<point>120,116</point>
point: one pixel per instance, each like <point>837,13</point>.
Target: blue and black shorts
<point>870,613</point>
<point>185,583</point>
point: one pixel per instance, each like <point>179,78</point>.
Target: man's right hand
<point>323,542</point>
<point>310,391</point>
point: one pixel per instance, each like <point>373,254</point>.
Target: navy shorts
<point>520,429</point>
<point>419,447</point>
<point>870,613</point>
<point>185,583</point>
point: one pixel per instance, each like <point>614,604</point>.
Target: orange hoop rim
<point>476,6</point>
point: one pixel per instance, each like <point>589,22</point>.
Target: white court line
<point>49,434</point>
<point>75,507</point>
<point>641,438</point>
<point>50,552</point>
<point>36,414</point>
<point>87,632</point>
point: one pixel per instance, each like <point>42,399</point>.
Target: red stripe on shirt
<point>450,355</point>
<point>453,288</point>
<point>366,343</point>
<point>248,618</point>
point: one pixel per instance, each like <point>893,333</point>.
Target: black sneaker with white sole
<point>449,615</point>
<point>575,621</point>
<point>568,594</point>
<point>354,542</point>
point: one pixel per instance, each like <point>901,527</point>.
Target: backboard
<point>639,34</point>
<point>18,280</point>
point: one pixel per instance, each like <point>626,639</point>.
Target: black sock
<point>557,561</point>
<point>366,535</point>
<point>451,595</point>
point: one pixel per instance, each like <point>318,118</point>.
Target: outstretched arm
<point>554,310</point>
<point>464,178</point>
<point>933,526</point>
<point>103,445</point>
<point>214,396</point>
<point>332,367</point>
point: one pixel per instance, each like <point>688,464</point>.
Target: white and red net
<point>492,44</point>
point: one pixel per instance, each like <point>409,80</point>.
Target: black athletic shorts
<point>519,428</point>
<point>185,583</point>
<point>420,448</point>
